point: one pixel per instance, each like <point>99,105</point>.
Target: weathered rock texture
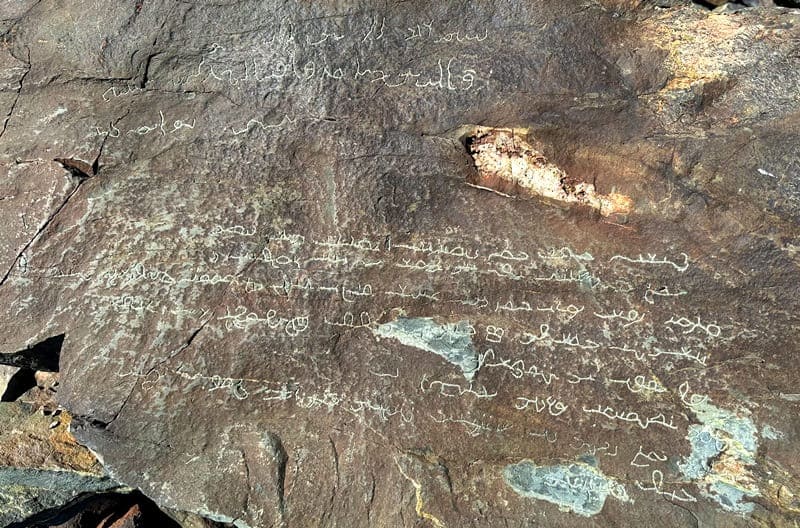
<point>42,467</point>
<point>285,302</point>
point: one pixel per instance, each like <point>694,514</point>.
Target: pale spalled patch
<point>507,163</point>
<point>222,518</point>
<point>724,445</point>
<point>452,341</point>
<point>576,487</point>
<point>770,433</point>
<point>701,50</point>
<point>57,112</point>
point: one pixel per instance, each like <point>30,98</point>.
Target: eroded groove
<point>19,92</point>
<point>44,226</point>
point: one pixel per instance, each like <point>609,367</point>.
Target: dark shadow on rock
<point>707,5</point>
<point>102,510</point>
<point>43,356</point>
<point>20,383</point>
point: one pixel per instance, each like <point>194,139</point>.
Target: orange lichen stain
<point>43,441</point>
<point>68,451</point>
<point>509,165</point>
<point>729,468</point>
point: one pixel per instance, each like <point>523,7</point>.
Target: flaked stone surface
<point>42,467</point>
<point>221,204</point>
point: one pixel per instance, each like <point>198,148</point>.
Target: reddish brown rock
<point>283,303</point>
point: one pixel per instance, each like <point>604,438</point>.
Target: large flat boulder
<point>415,263</point>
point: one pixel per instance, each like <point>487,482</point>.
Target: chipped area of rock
<point>507,163</point>
<point>452,341</point>
<point>576,487</point>
<point>284,302</point>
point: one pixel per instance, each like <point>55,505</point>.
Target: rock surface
<point>288,298</point>
<point>42,467</point>
<point>48,480</point>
